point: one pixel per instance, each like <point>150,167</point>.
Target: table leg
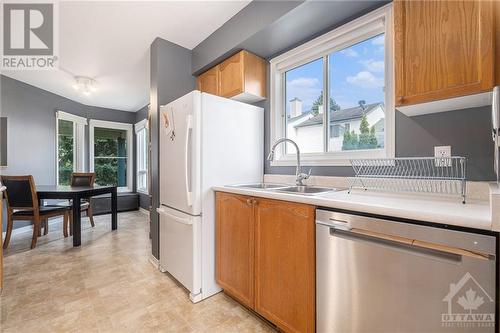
<point>114,210</point>
<point>77,214</point>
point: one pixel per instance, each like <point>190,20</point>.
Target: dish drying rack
<point>436,175</point>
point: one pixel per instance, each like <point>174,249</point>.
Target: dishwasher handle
<point>412,243</point>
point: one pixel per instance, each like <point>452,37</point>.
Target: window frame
<point>365,27</point>
<point>138,127</point>
<point>79,124</point>
<point>93,123</point>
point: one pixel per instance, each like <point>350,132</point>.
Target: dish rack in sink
<point>434,175</point>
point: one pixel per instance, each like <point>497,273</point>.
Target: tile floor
<point>106,285</point>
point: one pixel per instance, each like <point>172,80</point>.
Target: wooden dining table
<point>76,194</point>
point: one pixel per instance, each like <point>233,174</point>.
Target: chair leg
<point>36,231</point>
<point>71,223</point>
<point>90,215</point>
<point>46,226</point>
<point>10,223</point>
<point>65,224</point>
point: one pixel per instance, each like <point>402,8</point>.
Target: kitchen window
<point>70,143</point>
<point>334,95</point>
<point>142,140</point>
<point>111,153</point>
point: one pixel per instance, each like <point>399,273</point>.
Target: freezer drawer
<point>180,252</point>
<point>371,281</point>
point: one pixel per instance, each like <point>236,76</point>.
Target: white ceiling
<point>109,41</point>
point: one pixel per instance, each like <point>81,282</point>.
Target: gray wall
<point>467,131</point>
<point>32,128</point>
<point>227,39</point>
<point>144,200</point>
<point>170,79</point>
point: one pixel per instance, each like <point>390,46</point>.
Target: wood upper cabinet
<point>241,77</point>
<point>497,41</point>
<point>285,264</point>
<point>235,246</point>
<point>209,81</point>
<point>443,49</point>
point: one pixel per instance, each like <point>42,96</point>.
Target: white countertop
<point>474,214</point>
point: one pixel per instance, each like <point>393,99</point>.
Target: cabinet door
<point>285,264</point>
<point>497,41</point>
<point>209,81</point>
<point>443,49</point>
<point>231,76</point>
<point>235,246</point>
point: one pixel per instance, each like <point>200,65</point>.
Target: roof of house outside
<point>342,115</point>
<point>299,116</point>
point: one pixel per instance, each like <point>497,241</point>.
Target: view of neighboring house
<point>306,128</point>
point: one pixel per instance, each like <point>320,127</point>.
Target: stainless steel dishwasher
<point>377,275</point>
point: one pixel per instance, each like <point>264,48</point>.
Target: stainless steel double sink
<point>304,190</point>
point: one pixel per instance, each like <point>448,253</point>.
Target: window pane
<point>142,160</point>
<point>65,140</point>
<point>357,98</point>
<point>304,107</point>
<point>110,156</point>
<point>111,171</point>
<point>110,142</point>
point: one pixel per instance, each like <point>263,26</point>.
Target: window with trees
<point>142,144</point>
<point>334,95</point>
<point>110,153</point>
<point>70,151</point>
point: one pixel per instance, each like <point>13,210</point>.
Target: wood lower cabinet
<point>285,264</point>
<point>209,81</point>
<point>265,258</point>
<point>443,49</point>
<point>235,246</point>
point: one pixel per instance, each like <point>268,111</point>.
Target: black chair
<point>22,205</point>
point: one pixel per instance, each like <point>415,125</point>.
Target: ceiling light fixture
<point>85,84</point>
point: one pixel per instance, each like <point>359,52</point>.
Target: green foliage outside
<point>110,162</point>
<point>65,152</point>
<point>319,102</point>
<point>365,140</point>
<point>110,151</point>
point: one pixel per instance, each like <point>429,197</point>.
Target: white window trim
<point>79,124</point>
<point>143,124</point>
<point>130,150</point>
<point>378,21</point>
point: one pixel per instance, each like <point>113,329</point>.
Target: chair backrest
<point>82,179</point>
<point>20,192</point>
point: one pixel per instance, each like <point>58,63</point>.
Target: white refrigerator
<point>205,140</point>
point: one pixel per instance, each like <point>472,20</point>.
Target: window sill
<point>143,192</point>
<point>330,159</point>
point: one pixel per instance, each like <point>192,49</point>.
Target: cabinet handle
<point>255,202</point>
<point>249,202</point>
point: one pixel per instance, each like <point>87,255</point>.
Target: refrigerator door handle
<point>187,163</point>
<point>175,218</point>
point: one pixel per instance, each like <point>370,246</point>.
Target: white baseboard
<point>155,262</point>
<point>144,211</point>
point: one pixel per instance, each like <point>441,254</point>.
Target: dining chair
<point>22,205</point>
<point>81,179</point>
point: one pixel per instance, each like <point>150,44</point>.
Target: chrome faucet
<point>298,171</point>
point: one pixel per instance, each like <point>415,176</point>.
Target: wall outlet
<point>442,152</point>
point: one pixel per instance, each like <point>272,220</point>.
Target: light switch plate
<point>442,152</point>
